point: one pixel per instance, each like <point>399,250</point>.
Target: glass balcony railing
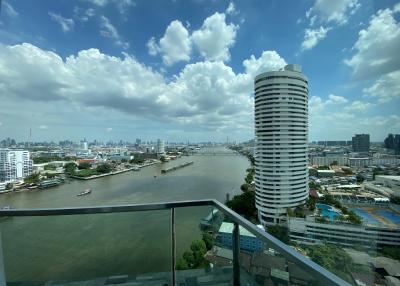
<point>178,243</point>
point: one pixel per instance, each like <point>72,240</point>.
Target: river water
<point>88,246</point>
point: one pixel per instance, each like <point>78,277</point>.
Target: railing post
<point>2,270</point>
<point>236,254</point>
<point>173,246</point>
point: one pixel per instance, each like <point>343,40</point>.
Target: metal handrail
<point>311,267</point>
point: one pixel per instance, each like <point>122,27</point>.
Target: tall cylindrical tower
<point>281,126</point>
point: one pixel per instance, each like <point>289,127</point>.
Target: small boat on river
<point>85,192</point>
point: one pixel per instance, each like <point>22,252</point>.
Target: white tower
<point>281,126</point>
<point>160,148</point>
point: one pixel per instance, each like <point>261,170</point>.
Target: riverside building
<point>14,165</point>
<point>281,126</point>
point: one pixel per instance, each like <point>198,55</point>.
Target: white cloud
<point>269,61</point>
<point>1,123</point>
<point>122,5</point>
<point>386,88</point>
<point>43,127</point>
<point>109,129</point>
<point>231,10</point>
<point>65,23</point>
<point>336,99</point>
<point>328,11</point>
<point>205,95</point>
<point>359,106</point>
<point>152,47</point>
<point>317,104</point>
<point>9,10</point>
<point>82,14</point>
<point>174,46</point>
<point>312,37</point>
<point>100,3</point>
<point>377,47</point>
<point>215,37</point>
<point>109,31</point>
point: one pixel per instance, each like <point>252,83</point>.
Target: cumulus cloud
<point>109,31</point>
<point>377,46</point>
<point>359,106</point>
<point>65,23</point>
<point>9,10</point>
<point>215,37</point>
<point>205,95</point>
<point>317,104</point>
<point>231,10</point>
<point>269,61</point>
<point>174,46</point>
<point>109,129</point>
<point>386,88</point>
<point>43,127</point>
<point>212,40</point>
<point>327,14</point>
<point>335,12</point>
<point>336,99</point>
<point>312,37</point>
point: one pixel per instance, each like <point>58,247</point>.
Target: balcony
<point>178,243</point>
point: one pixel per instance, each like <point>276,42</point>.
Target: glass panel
<point>200,258</point>
<point>95,249</point>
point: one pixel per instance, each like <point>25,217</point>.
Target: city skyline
<point>102,70</point>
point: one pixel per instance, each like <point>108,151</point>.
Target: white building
<point>281,124</point>
<point>14,165</point>
<point>308,231</point>
<point>160,148</point>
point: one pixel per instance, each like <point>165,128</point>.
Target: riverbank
<point>164,171</point>
<point>135,168</point>
<point>106,174</point>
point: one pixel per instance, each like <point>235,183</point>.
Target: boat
<point>6,208</point>
<point>85,192</point>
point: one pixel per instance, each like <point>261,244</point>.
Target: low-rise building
<point>248,241</point>
<point>309,231</point>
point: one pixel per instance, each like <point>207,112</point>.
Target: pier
<point>164,171</point>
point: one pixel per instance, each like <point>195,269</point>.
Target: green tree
<point>208,240</point>
<point>123,160</point>
<point>32,179</point>
<point>70,168</point>
<point>245,187</point>
<point>84,166</point>
<point>103,168</point>
<point>163,159</point>
<point>136,161</point>
<point>280,232</point>
<point>333,258</point>
<point>244,205</point>
<point>181,264</point>
<point>353,218</point>
<point>9,186</point>
<point>360,178</point>
<point>51,167</point>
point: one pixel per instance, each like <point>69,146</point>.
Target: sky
<point>184,70</point>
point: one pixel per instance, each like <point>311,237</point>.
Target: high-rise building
<point>393,142</point>
<point>14,165</point>
<point>160,148</point>
<point>360,143</point>
<point>281,126</point>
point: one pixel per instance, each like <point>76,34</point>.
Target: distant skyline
<point>183,70</point>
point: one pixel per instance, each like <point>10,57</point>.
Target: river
<point>88,246</point>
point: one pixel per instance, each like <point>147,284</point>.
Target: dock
<point>164,171</point>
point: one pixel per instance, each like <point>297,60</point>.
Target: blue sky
<point>183,70</point>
